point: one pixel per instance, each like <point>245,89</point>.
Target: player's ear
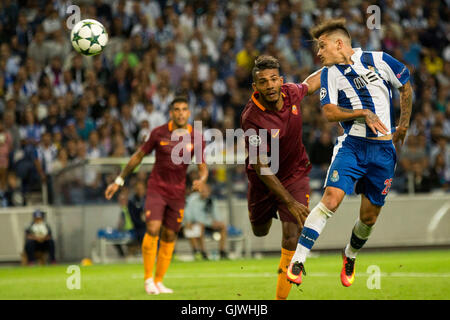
<point>339,43</point>
<point>254,86</point>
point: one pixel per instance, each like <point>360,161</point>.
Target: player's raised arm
<point>405,113</point>
<point>299,211</point>
<point>134,161</point>
<point>313,81</point>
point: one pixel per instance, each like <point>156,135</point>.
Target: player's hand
<point>299,211</point>
<point>374,123</point>
<point>111,190</point>
<point>399,135</point>
<point>197,185</point>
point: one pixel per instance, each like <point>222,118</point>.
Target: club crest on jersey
<point>334,176</point>
<point>294,109</point>
<point>254,140</point>
<point>323,93</point>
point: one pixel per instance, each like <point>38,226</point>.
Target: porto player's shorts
<point>370,163</point>
<point>169,211</point>
<point>263,204</point>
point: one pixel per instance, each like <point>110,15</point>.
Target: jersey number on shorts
<point>387,183</point>
<point>181,211</point>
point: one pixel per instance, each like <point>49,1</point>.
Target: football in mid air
<point>89,37</point>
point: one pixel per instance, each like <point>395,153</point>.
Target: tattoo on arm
<point>405,105</point>
<point>346,110</point>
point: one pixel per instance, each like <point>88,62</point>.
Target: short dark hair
<point>265,62</point>
<point>178,99</point>
<point>330,25</point>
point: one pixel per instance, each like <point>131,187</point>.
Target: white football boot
<point>150,287</point>
<point>162,288</point>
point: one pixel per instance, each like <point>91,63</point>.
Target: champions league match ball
<point>89,37</point>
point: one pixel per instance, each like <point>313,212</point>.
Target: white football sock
<point>314,225</point>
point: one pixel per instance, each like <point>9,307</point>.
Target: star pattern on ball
<point>76,37</point>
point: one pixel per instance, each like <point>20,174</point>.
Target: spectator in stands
<point>203,38</point>
<point>38,237</point>
<point>201,213</point>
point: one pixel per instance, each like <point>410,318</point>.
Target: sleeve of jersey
<point>397,71</point>
<point>328,89</point>
<point>302,90</point>
<point>150,144</point>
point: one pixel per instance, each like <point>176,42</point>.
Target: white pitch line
<point>317,274</point>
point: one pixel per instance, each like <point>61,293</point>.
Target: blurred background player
<point>132,216</point>
<point>202,213</point>
<point>275,105</point>
<point>356,91</point>
<point>166,188</point>
<point>38,238</point>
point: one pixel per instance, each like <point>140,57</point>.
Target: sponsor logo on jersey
<point>294,109</point>
<point>164,143</point>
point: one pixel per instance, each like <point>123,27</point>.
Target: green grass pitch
<point>404,275</point>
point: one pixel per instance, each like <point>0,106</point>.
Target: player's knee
<point>289,242</point>
<point>331,199</point>
<point>153,230</point>
<point>260,231</point>
<point>369,219</point>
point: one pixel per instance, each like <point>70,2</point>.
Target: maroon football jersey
<point>168,178</point>
<point>284,125</point>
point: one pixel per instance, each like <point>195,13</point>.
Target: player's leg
<point>290,233</point>
<point>165,252</point>
<point>360,234</point>
<point>342,173</point>
<point>154,210</point>
<point>149,250</point>
<point>173,216</point>
<point>313,227</point>
<point>30,249</point>
<point>374,187</point>
<point>222,229</point>
<point>201,241</point>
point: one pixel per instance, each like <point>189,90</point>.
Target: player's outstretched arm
<point>313,81</point>
<point>335,113</point>
<point>134,161</point>
<point>405,113</point>
<point>299,211</point>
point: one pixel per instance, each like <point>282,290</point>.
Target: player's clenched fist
<point>299,211</point>
<point>111,190</point>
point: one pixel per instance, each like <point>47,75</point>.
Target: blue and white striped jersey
<point>366,84</point>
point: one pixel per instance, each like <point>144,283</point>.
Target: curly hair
<point>265,62</point>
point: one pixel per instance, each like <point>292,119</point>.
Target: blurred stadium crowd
<point>58,107</point>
